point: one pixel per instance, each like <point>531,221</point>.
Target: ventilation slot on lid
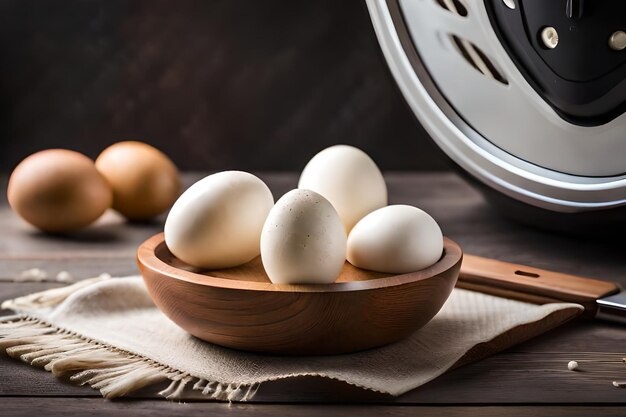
<point>455,6</point>
<point>477,58</point>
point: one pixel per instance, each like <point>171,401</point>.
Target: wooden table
<point>529,379</point>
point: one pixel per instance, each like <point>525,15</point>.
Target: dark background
<point>256,85</point>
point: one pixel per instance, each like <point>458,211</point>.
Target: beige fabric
<point>118,313</point>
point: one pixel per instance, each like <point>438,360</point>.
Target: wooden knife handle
<point>531,284</point>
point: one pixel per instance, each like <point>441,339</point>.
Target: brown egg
<point>145,182</point>
<point>58,190</point>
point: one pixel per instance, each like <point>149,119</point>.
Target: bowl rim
<point>147,259</point>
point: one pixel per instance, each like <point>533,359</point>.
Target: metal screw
<point>509,3</point>
<point>617,41</point>
<point>550,37</point>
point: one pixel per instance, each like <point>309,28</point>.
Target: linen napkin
<point>107,333</point>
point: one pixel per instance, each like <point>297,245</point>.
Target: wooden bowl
<point>240,308</point>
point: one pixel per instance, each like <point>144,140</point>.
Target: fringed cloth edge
<point>112,371</point>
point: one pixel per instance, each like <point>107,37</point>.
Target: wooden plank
<point>53,407</point>
<point>11,270</point>
<point>533,372</point>
<point>110,237</point>
<point>461,212</point>
<point>20,379</point>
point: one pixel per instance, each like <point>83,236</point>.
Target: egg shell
<point>145,182</point>
<point>216,223</point>
<point>58,190</point>
<point>395,239</point>
<point>349,179</point>
<point>303,240</point>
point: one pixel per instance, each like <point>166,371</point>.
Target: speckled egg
<point>303,240</point>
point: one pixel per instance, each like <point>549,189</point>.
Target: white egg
<point>349,179</point>
<point>303,240</point>
<point>217,222</point>
<point>395,239</point>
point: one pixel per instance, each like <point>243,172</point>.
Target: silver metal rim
<point>496,166</point>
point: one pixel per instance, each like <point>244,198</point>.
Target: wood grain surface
<point>60,407</point>
<point>523,282</point>
<point>202,80</point>
<point>364,309</point>
<point>528,379</point>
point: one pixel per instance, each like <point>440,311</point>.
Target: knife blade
<point>601,299</point>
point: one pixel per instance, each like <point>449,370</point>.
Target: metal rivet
<point>509,3</point>
<point>617,41</point>
<point>550,37</point>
